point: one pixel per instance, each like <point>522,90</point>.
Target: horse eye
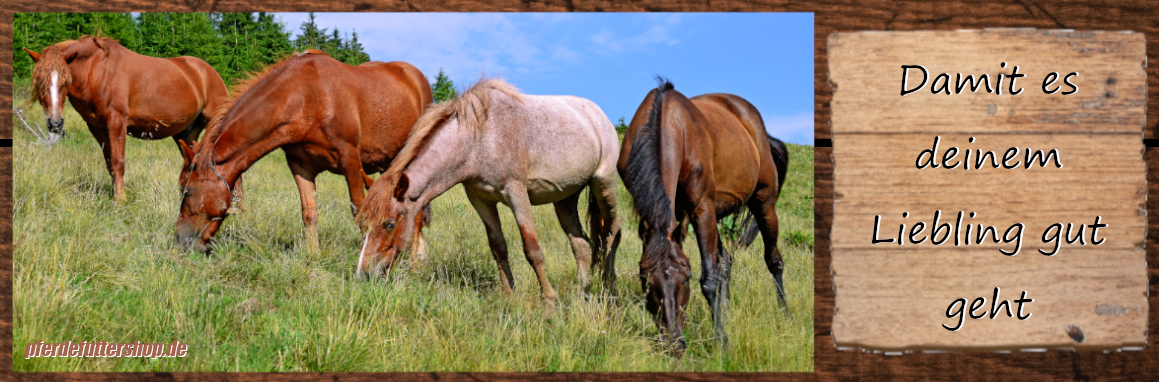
<point>389,224</point>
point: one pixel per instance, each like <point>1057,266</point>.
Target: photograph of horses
<point>348,188</point>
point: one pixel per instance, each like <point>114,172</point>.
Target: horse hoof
<point>549,306</point>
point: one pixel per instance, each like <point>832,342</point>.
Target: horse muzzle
<point>55,125</point>
<point>372,265</point>
<point>188,238</point>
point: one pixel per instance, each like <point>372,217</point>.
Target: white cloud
<point>658,34</point>
<point>464,45</point>
<point>467,45</point>
<point>562,53</point>
<point>797,128</point>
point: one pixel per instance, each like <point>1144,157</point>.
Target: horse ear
<point>401,187</point>
<point>185,152</point>
<point>100,42</point>
<point>35,56</point>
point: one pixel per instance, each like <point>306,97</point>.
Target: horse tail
<point>745,217</point>
<point>596,223</point>
<point>781,159</point>
<point>643,181</point>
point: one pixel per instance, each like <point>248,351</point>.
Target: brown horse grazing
<point>120,93</point>
<point>324,114</point>
<point>698,160</point>
<point>511,148</point>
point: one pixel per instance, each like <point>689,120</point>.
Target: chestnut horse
<point>324,114</point>
<point>698,160</point>
<point>118,93</point>
<point>511,148</point>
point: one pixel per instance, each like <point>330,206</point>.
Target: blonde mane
<point>469,109</point>
<point>237,91</point>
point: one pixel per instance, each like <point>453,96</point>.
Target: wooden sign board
<point>907,297</point>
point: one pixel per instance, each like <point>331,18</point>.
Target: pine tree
<point>357,56</point>
<point>235,44</point>
<point>333,46</point>
<point>312,37</point>
<point>272,40</point>
<point>443,88</point>
<point>621,126</point>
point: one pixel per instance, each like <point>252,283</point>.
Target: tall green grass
<point>86,268</point>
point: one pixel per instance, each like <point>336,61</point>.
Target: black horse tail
<point>745,217</point>
<point>643,181</point>
<point>781,159</point>
<point>596,223</point>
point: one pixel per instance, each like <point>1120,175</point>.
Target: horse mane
<point>237,91</point>
<point>649,200</point>
<point>470,109</point>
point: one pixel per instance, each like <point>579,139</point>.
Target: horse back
<point>207,84</point>
<point>155,91</point>
<point>736,133</point>
<point>559,141</point>
<point>394,96</point>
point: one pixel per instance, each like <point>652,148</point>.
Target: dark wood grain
<point>830,16</point>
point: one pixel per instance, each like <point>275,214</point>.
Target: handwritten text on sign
<point>941,189</point>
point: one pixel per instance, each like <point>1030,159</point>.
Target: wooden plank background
<point>830,16</point>
<point>894,296</point>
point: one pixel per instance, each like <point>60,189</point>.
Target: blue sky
<point>609,58</point>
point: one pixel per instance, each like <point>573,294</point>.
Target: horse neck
<point>237,147</point>
<point>446,161</point>
<point>91,68</point>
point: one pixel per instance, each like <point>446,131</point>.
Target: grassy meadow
<point>87,268</point>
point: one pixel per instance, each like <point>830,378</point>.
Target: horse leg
<point>764,209</point>
<point>725,270</point>
<point>305,180</point>
<point>520,204</point>
<point>355,183</point>
<point>490,215</point>
<point>117,131</point>
<point>567,212</point>
<point>102,137</point>
<point>711,277</point>
<point>603,191</point>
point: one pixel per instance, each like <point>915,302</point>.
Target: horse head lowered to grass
<point>503,147</point>
<point>118,93</point>
<point>324,114</point>
<point>695,161</point>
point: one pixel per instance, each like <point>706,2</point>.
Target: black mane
<point>643,181</point>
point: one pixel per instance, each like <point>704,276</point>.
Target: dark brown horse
<point>120,93</point>
<point>696,161</point>
<point>324,114</point>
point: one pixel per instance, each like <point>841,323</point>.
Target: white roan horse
<point>504,147</point>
